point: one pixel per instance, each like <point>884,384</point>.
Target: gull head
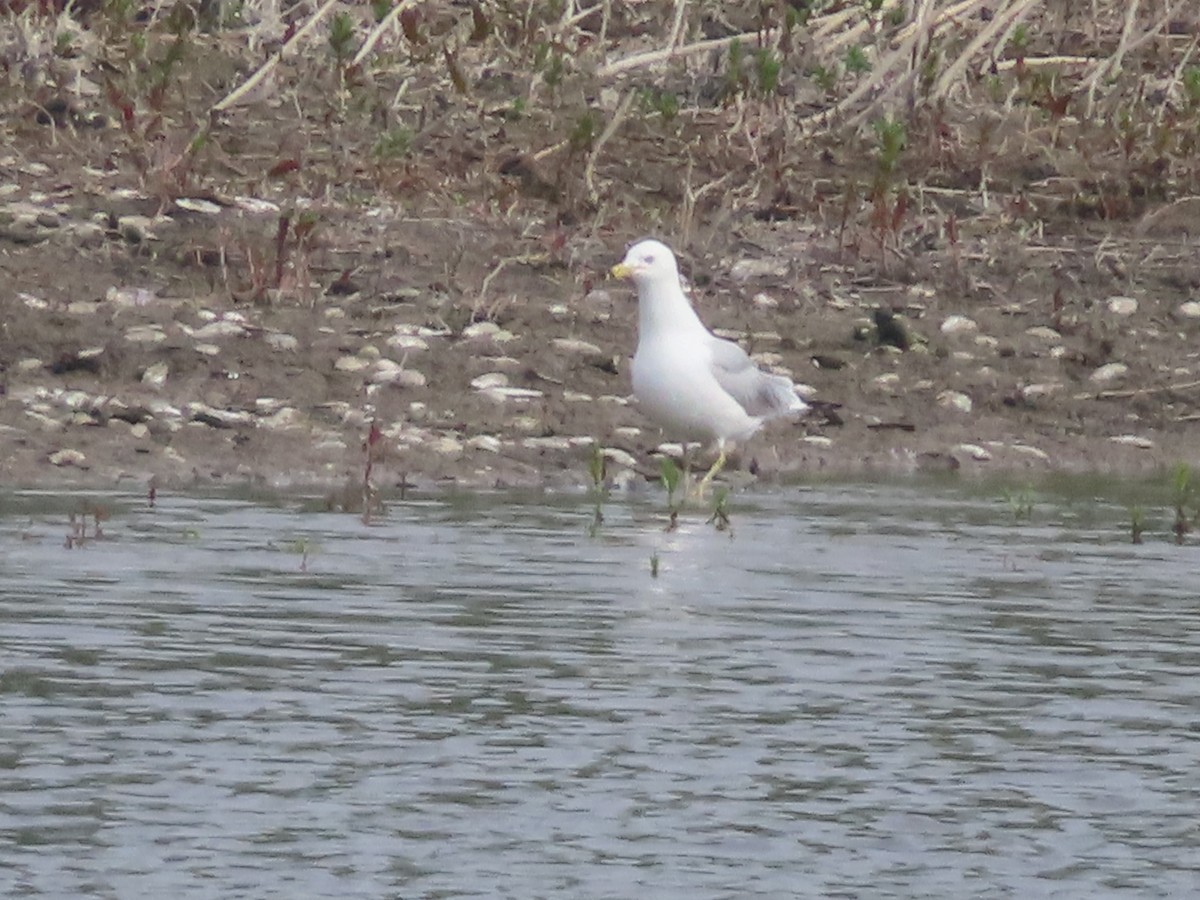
<point>648,263</point>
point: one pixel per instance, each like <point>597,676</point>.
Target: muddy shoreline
<point>1003,288</point>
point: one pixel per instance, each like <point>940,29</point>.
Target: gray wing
<point>759,393</point>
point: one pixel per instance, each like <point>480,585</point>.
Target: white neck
<point>668,311</point>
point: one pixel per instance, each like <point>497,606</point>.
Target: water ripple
<point>865,692</point>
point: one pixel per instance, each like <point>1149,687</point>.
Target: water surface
<point>865,692</point>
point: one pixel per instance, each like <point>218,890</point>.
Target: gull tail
<point>778,397</point>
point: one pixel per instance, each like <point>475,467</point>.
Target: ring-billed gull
<point>693,384</point>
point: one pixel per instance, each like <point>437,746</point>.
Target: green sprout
<point>857,61</point>
<point>380,9</point>
<point>672,476</point>
<point>768,66</point>
<point>1181,494</point>
<point>720,514</point>
<point>1019,42</point>
<point>826,79</point>
<point>341,37</point>
<point>393,144</point>
<point>893,138</point>
<point>583,133</point>
<point>1137,524</point>
<point>1191,85</point>
<point>665,103</point>
<point>597,467</point>
<point>1020,503</point>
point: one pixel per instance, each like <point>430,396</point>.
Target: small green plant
<point>767,67</point>
<point>1181,498</point>
<point>1018,44</point>
<point>1191,86</point>
<point>341,39</point>
<point>1020,503</point>
<point>584,131</point>
<point>892,139</point>
<point>672,475</point>
<point>654,564</point>
<point>664,103</point>
<point>1137,524</point>
<point>825,79</point>
<point>395,143</point>
<point>735,75</point>
<point>857,61</point>
<point>597,473</point>
<point>720,512</point>
<point>597,468</point>
<point>380,9</point>
<point>548,60</point>
<point>304,548</point>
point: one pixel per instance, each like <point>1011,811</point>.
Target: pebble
<point>67,457</point>
<point>145,334</point>
<point>1133,440</point>
<point>746,269</point>
<point>764,301</point>
<point>407,342</point>
<point>958,325</point>
<point>1108,373</point>
<point>489,330</point>
<point>283,343</point>
<point>489,381</point>
<point>817,440</point>
<point>1035,452</point>
<point>1189,309</point>
<point>974,451</point>
<point>219,418</point>
<point>447,445</point>
<point>206,207</point>
<point>1042,389</point>
<point>1043,332</point>
<point>1122,306</point>
<point>390,372</point>
<point>155,375</point>
<point>546,443</point>
<point>351,364</point>
<point>485,442</point>
<point>582,348</point>
<point>527,424</point>
<point>620,457</point>
<point>286,417</point>
<point>218,328</point>
<point>955,400</point>
<point>513,393</point>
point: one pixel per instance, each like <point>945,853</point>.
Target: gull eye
<point>648,259</point>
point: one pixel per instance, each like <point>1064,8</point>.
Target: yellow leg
<point>711,474</point>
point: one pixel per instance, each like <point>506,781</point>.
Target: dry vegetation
<point>892,121</point>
